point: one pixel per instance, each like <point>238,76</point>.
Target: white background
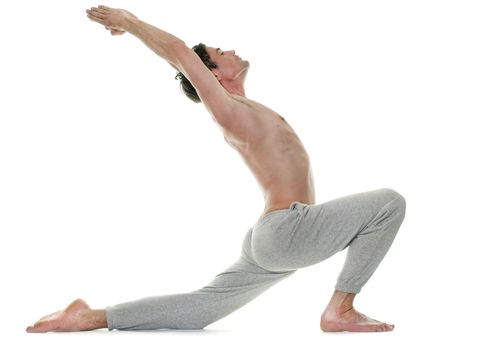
<point>114,186</point>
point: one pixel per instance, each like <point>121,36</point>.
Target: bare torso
<point>273,152</point>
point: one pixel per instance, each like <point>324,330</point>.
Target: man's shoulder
<point>245,121</point>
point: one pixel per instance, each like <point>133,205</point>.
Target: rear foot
<point>351,321</point>
<point>74,318</point>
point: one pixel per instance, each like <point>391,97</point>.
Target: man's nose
<point>232,52</point>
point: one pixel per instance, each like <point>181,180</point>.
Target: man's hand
<point>115,31</point>
<point>120,21</point>
<point>114,20</point>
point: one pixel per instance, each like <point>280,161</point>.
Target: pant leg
<point>231,289</point>
<point>369,246</point>
<point>304,235</point>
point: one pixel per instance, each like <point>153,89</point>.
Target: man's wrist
<point>130,24</point>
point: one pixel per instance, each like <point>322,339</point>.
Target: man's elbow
<point>177,44</point>
<point>175,48</point>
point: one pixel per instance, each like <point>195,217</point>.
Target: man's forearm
<point>161,42</point>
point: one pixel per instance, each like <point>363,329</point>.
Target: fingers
<point>117,32</point>
<point>99,10</point>
<point>95,19</point>
<point>95,13</point>
<point>102,14</point>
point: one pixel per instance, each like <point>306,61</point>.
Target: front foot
<point>351,321</point>
<point>78,316</point>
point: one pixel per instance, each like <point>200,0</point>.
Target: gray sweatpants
<point>273,249</point>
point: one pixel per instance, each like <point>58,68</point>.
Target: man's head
<point>229,69</point>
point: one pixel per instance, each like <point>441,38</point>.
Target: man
<point>291,233</point>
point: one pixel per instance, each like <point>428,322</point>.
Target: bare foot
<point>340,316</point>
<point>351,320</point>
<point>78,316</point>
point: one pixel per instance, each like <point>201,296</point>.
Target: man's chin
<point>243,72</point>
<point>246,66</point>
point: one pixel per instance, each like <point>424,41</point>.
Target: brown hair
<point>188,89</point>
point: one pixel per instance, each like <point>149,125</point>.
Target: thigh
<point>244,276</point>
<point>319,231</point>
<point>236,286</point>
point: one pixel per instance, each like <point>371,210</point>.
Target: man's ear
<point>216,73</point>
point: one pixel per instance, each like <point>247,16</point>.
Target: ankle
<point>342,309</point>
<point>340,302</point>
<point>93,319</point>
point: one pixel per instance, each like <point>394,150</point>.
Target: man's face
<point>230,66</point>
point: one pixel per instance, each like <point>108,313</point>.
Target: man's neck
<point>235,89</point>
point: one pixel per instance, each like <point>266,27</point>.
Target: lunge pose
<point>291,233</point>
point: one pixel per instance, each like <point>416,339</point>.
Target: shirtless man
<point>291,233</point>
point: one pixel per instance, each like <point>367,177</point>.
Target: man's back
<point>273,152</point>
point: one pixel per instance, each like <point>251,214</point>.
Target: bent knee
<point>397,202</point>
<point>395,196</point>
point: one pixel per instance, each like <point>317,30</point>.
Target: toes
<point>382,327</point>
<point>388,327</point>
<point>43,326</point>
<point>38,327</point>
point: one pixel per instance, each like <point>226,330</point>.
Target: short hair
<point>188,89</point>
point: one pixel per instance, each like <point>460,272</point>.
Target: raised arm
<point>172,49</point>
